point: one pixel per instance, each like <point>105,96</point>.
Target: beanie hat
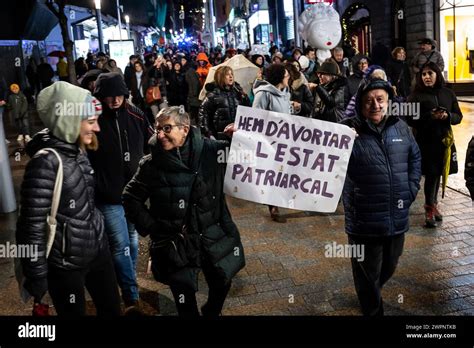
<point>62,107</point>
<point>329,67</point>
<point>369,85</point>
<point>110,85</point>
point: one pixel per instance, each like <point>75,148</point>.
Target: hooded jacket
<point>190,174</point>
<point>123,137</point>
<point>203,71</point>
<point>18,105</point>
<point>79,234</point>
<point>268,97</point>
<point>382,178</point>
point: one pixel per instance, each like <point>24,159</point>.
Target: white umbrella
<point>245,73</point>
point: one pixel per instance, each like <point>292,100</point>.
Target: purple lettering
<point>294,152</point>
<point>325,193</point>
<point>272,128</point>
<point>284,130</point>
<point>345,140</point>
<point>237,169</point>
<point>332,159</point>
<point>279,152</point>
<point>259,149</point>
<point>247,175</point>
<point>269,176</point>
<point>259,173</point>
<point>306,135</point>
<point>319,162</point>
<point>334,140</point>
<point>307,152</point>
<point>294,181</point>
<point>304,189</point>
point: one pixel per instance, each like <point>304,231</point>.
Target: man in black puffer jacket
<point>122,143</point>
<point>219,108</point>
<point>188,220</point>
<point>382,182</point>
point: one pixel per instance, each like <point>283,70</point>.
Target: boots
<point>437,214</point>
<point>275,214</point>
<point>430,220</point>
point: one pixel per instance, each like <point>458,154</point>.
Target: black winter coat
<point>398,73</point>
<point>184,187</point>
<point>302,94</point>
<point>382,179</point>
<point>429,133</point>
<point>123,138</point>
<point>352,86</point>
<point>329,101</point>
<point>80,229</point>
<point>219,108</point>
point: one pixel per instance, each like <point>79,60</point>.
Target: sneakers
<point>27,138</point>
<point>437,214</point>
<point>275,215</point>
<point>430,220</point>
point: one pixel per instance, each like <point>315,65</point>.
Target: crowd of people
<point>147,137</point>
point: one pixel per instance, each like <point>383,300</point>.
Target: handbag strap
<point>56,197</point>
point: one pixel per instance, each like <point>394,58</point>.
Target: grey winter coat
<point>270,98</point>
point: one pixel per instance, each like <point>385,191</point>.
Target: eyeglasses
<point>167,128</point>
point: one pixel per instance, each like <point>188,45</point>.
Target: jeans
<point>431,189</point>
<point>123,241</point>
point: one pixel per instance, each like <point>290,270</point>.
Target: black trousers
<point>185,297</point>
<point>66,288</point>
<point>431,189</point>
<point>370,274</point>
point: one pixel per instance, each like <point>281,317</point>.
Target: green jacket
<point>185,188</point>
<point>18,105</point>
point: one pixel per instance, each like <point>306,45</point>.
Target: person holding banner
<point>383,179</point>
<point>188,221</point>
<point>273,94</point>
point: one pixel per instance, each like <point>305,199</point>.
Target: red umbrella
<point>59,54</point>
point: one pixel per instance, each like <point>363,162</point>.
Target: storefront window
<point>457,39</point>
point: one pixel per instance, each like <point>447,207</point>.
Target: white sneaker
<point>20,138</point>
<point>27,138</point>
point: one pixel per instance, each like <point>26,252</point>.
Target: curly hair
<point>275,73</point>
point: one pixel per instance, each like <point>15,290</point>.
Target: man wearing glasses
<point>122,143</point>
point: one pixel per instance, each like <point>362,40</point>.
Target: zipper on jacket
<point>126,142</point>
<point>120,137</point>
<point>64,239</point>
<point>390,177</point>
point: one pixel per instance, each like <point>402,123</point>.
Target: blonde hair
<point>396,51</point>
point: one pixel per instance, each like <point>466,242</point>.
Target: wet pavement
<point>287,272</point>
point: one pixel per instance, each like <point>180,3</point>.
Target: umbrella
<point>58,54</point>
<point>245,73</point>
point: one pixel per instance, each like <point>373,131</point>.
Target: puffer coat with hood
<point>268,97</point>
<point>80,229</point>
<point>383,175</point>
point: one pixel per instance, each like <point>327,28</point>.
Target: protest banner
<point>287,161</point>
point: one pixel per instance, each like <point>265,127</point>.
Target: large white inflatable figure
<point>319,26</point>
